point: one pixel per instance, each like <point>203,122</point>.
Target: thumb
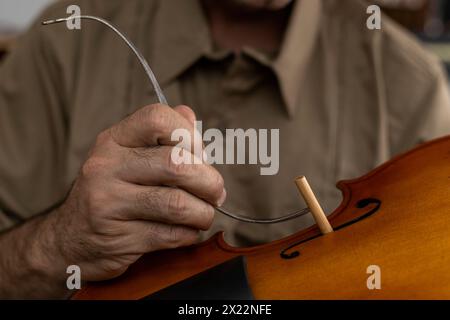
<point>187,113</point>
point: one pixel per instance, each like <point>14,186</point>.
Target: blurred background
<point>428,19</point>
<point>15,16</point>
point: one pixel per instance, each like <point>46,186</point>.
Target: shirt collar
<point>298,45</point>
<point>183,37</point>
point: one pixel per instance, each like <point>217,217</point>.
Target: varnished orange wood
<point>408,238</point>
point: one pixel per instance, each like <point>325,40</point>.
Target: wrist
<point>42,253</point>
<point>30,266</point>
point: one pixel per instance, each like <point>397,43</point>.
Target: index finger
<point>157,125</point>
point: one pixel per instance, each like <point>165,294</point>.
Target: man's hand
<point>130,198</point>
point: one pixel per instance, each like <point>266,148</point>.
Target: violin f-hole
<point>361,204</point>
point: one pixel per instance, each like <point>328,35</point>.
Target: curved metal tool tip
<point>46,23</point>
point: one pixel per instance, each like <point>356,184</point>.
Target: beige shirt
<point>345,99</point>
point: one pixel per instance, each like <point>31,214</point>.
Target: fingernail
<point>222,198</point>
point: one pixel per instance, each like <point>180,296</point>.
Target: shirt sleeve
<point>32,129</point>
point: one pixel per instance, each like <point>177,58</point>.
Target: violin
<point>394,220</point>
<point>393,224</point>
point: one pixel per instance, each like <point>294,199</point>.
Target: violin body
<point>396,217</point>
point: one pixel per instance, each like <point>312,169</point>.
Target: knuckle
<point>146,200</point>
<point>156,115</point>
<point>177,206</point>
<point>144,156</point>
<point>93,167</point>
<point>187,109</point>
<point>208,217</point>
<point>175,169</point>
<point>114,132</point>
<point>138,152</point>
<point>182,236</point>
<point>153,108</point>
<point>103,137</point>
<point>173,238</point>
